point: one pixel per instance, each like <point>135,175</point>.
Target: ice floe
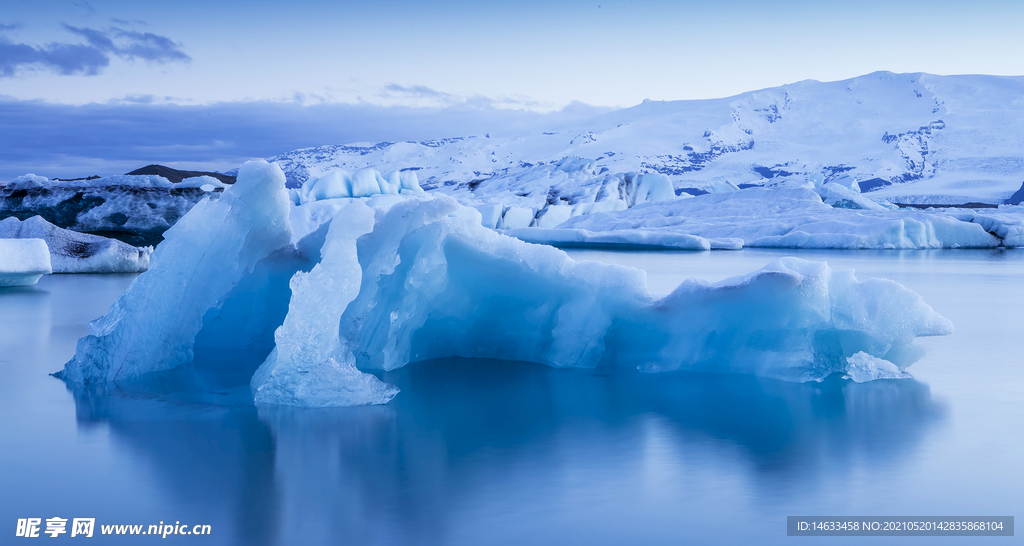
<point>792,218</point>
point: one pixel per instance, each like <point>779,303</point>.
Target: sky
<point>283,75</point>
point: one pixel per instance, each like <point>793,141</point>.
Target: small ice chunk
<point>410,182</point>
<point>651,188</point>
<point>364,183</point>
<point>333,185</point>
<point>23,261</point>
<point>490,214</point>
<point>204,182</point>
<point>553,215</point>
<point>516,217</point>
<point>864,367</point>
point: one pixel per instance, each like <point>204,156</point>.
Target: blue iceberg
<point>375,283</point>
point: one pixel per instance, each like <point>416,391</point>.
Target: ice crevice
<point>376,283</point>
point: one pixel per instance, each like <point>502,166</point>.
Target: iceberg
<point>154,324</point>
<point>73,252</point>
<point>23,261</point>
<point>397,279</point>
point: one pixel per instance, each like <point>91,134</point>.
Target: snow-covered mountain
<point>906,138</point>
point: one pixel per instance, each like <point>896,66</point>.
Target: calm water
<point>480,452</point>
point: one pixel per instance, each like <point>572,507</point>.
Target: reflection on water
<point>462,430</point>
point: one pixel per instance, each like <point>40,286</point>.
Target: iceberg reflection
<point>479,443</point>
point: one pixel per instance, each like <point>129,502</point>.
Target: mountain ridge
<point>904,137</point>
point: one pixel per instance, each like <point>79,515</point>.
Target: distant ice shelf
<point>797,218</point>
<point>338,288</point>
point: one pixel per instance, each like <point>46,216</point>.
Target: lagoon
<point>489,452</point>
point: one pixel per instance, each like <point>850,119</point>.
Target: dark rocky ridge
<point>174,175</point>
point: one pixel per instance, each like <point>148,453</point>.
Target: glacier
<point>336,289</point>
<point>23,261</point>
<point>904,138</point>
<point>73,252</point>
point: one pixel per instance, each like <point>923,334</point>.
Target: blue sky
<point>507,61</point>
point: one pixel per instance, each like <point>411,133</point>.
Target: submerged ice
<point>394,279</point>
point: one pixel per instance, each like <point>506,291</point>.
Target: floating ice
<point>1005,223</point>
<point>863,367</point>
<point>134,209</point>
<point>402,279</point>
<point>205,183</point>
<point>73,252</point>
<point>153,326</point>
<point>791,218</point>
<point>23,261</point>
<point>624,238</point>
<point>339,184</point>
<point>841,196</point>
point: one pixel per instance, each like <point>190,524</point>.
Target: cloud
<point>89,58</point>
<point>66,141</point>
<point>414,91</point>
<point>128,22</point>
<point>428,96</point>
<point>13,26</point>
<point>63,58</point>
<point>85,6</point>
<point>135,45</point>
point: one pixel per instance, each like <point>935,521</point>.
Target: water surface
<point>486,452</point>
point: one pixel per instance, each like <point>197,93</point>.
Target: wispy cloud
<point>91,57</point>
<point>128,22</point>
<point>415,91</point>
<point>13,26</point>
<point>133,45</point>
<point>432,97</point>
<point>86,6</point>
